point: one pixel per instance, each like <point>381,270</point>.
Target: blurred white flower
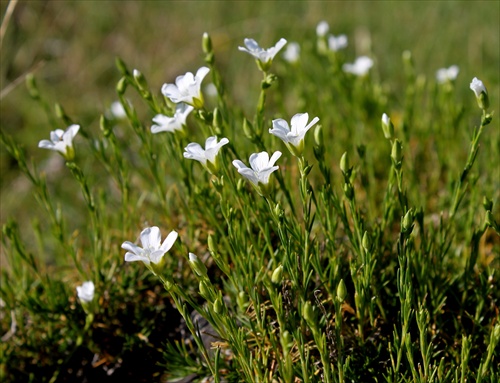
<point>152,249</point>
<point>187,88</point>
<point>447,74</point>
<point>261,169</point>
<point>322,28</point>
<point>293,137</point>
<point>86,291</point>
<point>171,124</point>
<point>208,155</point>
<point>292,52</point>
<point>117,110</point>
<point>336,43</point>
<point>360,67</point>
<point>62,141</point>
<point>211,90</point>
<point>264,56</point>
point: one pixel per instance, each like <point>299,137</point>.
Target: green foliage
<point>371,255</point>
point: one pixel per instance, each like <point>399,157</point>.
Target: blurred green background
<point>71,47</point>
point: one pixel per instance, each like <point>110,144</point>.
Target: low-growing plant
<point>337,233</point>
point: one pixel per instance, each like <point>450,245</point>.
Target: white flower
<point>293,137</point>
<point>61,141</point>
<point>322,28</point>
<point>292,52</point>
<point>171,124</point>
<point>479,90</point>
<point>447,74</point>
<point>477,87</point>
<point>152,250</point>
<point>208,155</point>
<point>261,169</point>
<point>187,88</point>
<point>360,67</point>
<point>117,110</point>
<point>86,291</point>
<point>264,56</point>
<point>336,43</point>
<point>387,127</point>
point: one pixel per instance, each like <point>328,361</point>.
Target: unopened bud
<point>120,64</point>
<point>205,290</point>
<point>104,125</point>
<point>218,306</point>
<point>318,135</point>
<point>242,300</point>
<point>206,43</point>
<point>308,313</point>
<point>217,119</point>
<point>366,243</point>
<point>140,80</point>
<point>407,224</point>
<point>248,129</point>
<point>487,203</point>
<point>121,87</point>
<point>32,87</point>
<point>341,291</point>
<point>397,153</point>
<point>344,163</point>
<point>269,80</point>
<point>387,127</point>
<point>481,93</point>
<point>277,276</point>
<point>197,265</point>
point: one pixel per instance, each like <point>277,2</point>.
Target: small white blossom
<point>336,43</point>
<point>322,28</point>
<point>117,110</point>
<point>61,141</point>
<point>477,87</point>
<point>360,67</point>
<point>444,75</point>
<point>261,169</point>
<point>264,56</point>
<point>479,90</point>
<point>171,124</point>
<point>293,137</point>
<point>86,291</point>
<point>187,88</point>
<point>206,156</point>
<point>152,249</point>
<point>292,52</point>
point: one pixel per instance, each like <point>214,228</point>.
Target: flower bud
<point>211,245</point>
<point>407,224</point>
<point>366,243</point>
<point>277,275</point>
<point>397,153</point>
<point>205,290</point>
<point>269,80</point>
<point>104,125</point>
<point>140,80</point>
<point>32,87</point>
<point>218,306</point>
<point>341,291</point>
<point>286,341</point>
<point>308,313</point>
<point>387,127</point>
<point>487,203</point>
<point>344,163</point>
<point>206,43</point>
<point>242,300</point>
<point>121,87</point>
<point>197,265</point>
<point>479,90</point>
<point>217,119</point>
<point>318,135</point>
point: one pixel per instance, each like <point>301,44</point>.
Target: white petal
<point>259,161</point>
<point>129,257</point>
<point>264,174</point>
<point>169,241</point>
<point>274,158</point>
<point>129,246</point>
<point>201,73</point>
<point>151,237</point>
<point>46,144</point>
